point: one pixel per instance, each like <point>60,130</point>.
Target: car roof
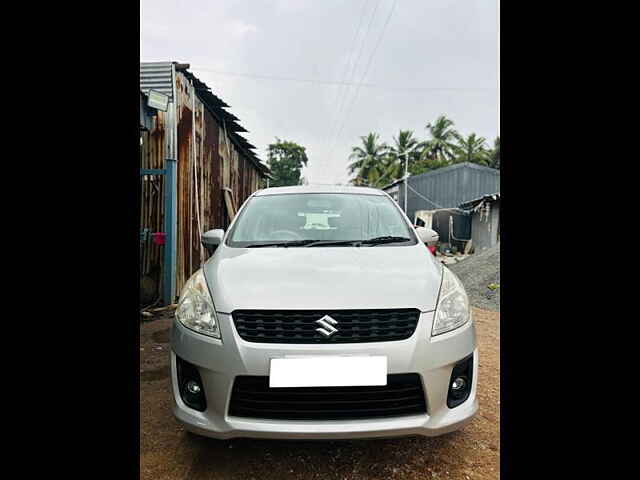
<point>319,189</point>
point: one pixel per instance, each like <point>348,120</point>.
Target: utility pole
<point>406,175</point>
<point>406,179</point>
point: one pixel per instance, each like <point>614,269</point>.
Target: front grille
<point>403,395</point>
<point>299,326</point>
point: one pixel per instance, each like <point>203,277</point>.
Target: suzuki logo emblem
<point>326,326</point>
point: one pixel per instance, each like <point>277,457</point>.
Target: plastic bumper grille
<point>300,326</point>
<point>403,395</point>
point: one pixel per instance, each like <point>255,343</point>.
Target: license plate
<point>328,371</point>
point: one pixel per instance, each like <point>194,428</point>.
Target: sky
<point>325,73</point>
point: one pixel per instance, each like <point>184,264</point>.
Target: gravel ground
<point>168,452</point>
<point>478,271</point>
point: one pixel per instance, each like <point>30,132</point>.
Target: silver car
<point>322,315</point>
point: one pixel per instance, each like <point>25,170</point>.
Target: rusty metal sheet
<point>206,163</point>
<point>152,154</point>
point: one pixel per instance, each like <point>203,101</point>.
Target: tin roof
<point>492,197</point>
<point>158,76</point>
<point>216,106</point>
<point>445,170</point>
<point>446,187</point>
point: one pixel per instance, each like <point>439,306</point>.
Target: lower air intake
<point>403,395</point>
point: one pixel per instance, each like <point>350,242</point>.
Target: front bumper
<point>220,362</point>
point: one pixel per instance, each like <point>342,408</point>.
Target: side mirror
<point>427,235</point>
<point>211,239</point>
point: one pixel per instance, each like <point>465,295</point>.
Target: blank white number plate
<point>328,371</point>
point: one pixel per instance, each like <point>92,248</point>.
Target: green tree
<point>494,155</point>
<point>286,159</point>
<point>368,160</point>
<point>403,143</point>
<point>440,149</point>
<point>472,149</point>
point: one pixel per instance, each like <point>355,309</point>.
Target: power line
<point>335,82</point>
<point>346,71</point>
<point>341,103</point>
<point>357,92</point>
<point>371,57</point>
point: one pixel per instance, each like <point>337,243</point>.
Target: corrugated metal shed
<point>485,220</point>
<point>214,166</point>
<point>157,76</point>
<point>475,203</point>
<point>216,107</point>
<point>447,187</point>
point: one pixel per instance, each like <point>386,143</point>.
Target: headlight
<point>452,310</point>
<point>195,307</point>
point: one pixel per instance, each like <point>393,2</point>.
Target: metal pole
<point>171,197</point>
<point>406,175</point>
<point>170,210</point>
<point>406,179</point>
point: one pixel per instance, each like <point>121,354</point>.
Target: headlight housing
<point>195,307</point>
<point>452,310</point>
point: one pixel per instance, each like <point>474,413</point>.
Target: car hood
<point>326,278</point>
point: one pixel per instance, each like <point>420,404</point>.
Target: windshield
<point>308,219</point>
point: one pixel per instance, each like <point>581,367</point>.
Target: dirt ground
<point>169,452</point>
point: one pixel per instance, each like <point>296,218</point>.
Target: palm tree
<point>403,143</point>
<point>440,149</point>
<point>368,160</point>
<point>494,154</point>
<point>386,172</point>
<point>472,149</point>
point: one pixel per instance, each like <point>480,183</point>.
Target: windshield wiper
<point>357,243</point>
<point>385,239</point>
<point>322,243</point>
<point>289,243</point>
<point>319,243</point>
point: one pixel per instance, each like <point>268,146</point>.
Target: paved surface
<point>168,452</point>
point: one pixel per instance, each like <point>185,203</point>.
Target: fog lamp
<point>190,385</point>
<point>193,387</point>
<point>458,384</point>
